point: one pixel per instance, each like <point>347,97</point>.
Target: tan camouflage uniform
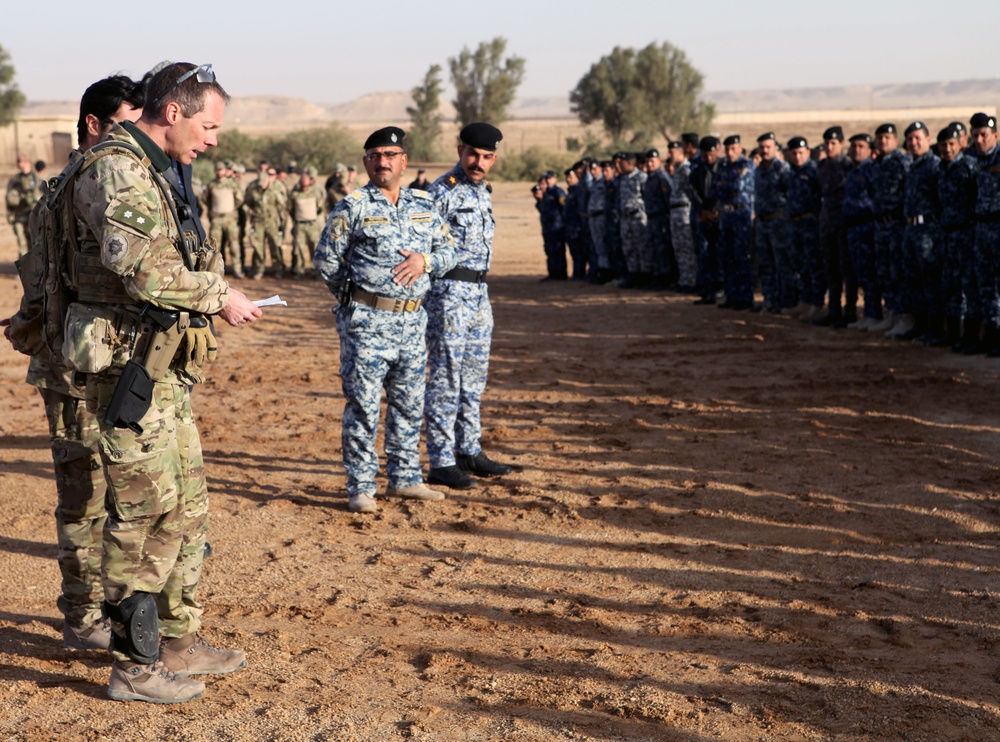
<point>224,198</point>
<point>23,192</point>
<point>266,211</point>
<point>306,205</point>
<point>154,537</point>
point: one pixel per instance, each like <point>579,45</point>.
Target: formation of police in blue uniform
<point>871,233</point>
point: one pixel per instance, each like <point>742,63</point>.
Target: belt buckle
<point>410,305</point>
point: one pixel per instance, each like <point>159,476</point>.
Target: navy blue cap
<point>834,132</point>
<point>481,136</point>
<point>390,135</point>
<point>731,139</point>
<point>866,138</point>
<point>797,142</point>
<point>915,126</point>
<point>707,144</point>
<point>765,136</point>
<point>886,129</point>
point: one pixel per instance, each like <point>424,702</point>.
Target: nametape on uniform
<point>135,218</point>
<point>423,216</point>
<point>464,211</point>
<point>369,221</point>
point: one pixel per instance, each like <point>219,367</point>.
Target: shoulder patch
<point>450,182</point>
<point>133,217</point>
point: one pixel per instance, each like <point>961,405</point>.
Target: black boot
<point>451,476</point>
<point>970,337</point>
<point>481,465</point>
<point>991,340</point>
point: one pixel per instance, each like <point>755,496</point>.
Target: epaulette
<point>450,182</point>
<point>355,194</point>
<point>421,194</point>
<point>489,186</point>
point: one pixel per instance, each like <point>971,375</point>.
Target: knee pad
<point>142,627</point>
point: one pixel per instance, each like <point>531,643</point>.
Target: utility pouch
<point>90,338</point>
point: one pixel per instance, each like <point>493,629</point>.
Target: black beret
<point>765,136</point>
<point>690,137</point>
<point>548,174</point>
<point>481,136</point>
<point>536,188</point>
<point>568,170</point>
<point>707,144</point>
<point>386,137</point>
<point>886,129</point>
<point>619,155</point>
<point>652,153</point>
<point>731,139</point>
<point>981,120</point>
<point>948,132</point>
<point>606,163</point>
<point>674,145</point>
<point>957,125</point>
<point>915,126</point>
<point>866,138</point>
<point>834,132</point>
<point>797,142</point>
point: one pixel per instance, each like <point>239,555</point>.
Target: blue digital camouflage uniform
<point>381,348</point>
<point>987,252</point>
<point>773,238</point>
<point>596,199</point>
<point>957,194</point>
<point>887,185</point>
<point>804,204</point>
<point>550,209</point>
<point>612,227</point>
<point>705,227</point>
<point>733,189</point>
<point>459,322</point>
<point>632,222</point>
<point>840,271</point>
<point>921,284</point>
<point>681,236</point>
<point>859,217</point>
<point>656,198</point>
<point>574,224</point>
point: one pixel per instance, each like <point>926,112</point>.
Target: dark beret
<point>549,174</point>
<point>886,129</point>
<point>652,153</point>
<point>481,136</point>
<point>707,144</point>
<point>948,132</point>
<point>390,135</point>
<point>915,126</point>
<point>619,155</point>
<point>834,132</point>
<point>957,125</point>
<point>674,145</point>
<point>797,142</point>
<point>568,170</point>
<point>731,139</point>
<point>606,163</point>
<point>765,136</point>
<point>981,120</point>
<point>690,137</point>
<point>866,138</point>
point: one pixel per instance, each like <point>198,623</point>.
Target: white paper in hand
<point>271,301</point>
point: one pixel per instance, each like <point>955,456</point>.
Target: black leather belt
<point>466,274</point>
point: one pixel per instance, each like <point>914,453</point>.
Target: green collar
<point>156,155</point>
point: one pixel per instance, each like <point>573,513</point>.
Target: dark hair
<point>162,89</point>
<point>105,97</point>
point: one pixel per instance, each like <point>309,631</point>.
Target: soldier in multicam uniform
<point>266,204</point>
<point>733,190</point>
<point>681,237</point>
<point>224,199</point>
<point>460,318</point>
<point>803,220</point>
<point>380,318</point>
<point>957,195</point>
<point>987,251</point>
<point>858,209</point>
<point>73,429</point>
<point>888,175</point>
<point>841,278</point>
<point>771,229</point>
<point>632,222</point>
<point>335,187</point>
<point>921,277</point>
<point>305,203</point>
<point>23,192</point>
<point>129,255</point>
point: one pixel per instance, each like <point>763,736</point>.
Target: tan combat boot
<point>415,492</point>
<point>153,683</point>
<point>94,636</point>
<point>192,655</point>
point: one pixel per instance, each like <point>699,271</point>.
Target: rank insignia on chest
<point>423,216</point>
<point>374,221</point>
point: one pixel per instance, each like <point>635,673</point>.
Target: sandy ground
<point>726,526</point>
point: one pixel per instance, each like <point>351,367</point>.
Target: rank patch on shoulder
<point>423,216</point>
<point>355,194</point>
<point>115,247</point>
<point>133,217</point>
<point>370,221</point>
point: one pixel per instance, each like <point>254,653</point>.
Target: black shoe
<point>451,476</point>
<point>704,301</point>
<point>481,465</point>
<point>827,320</point>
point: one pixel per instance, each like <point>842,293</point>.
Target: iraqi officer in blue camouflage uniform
<point>632,222</point>
<point>771,230</point>
<point>804,203</point>
<point>957,194</point>
<point>733,190</point>
<point>380,247</point>
<point>656,198</point>
<point>841,279</point>
<point>859,219</point>
<point>550,210</point>
<point>987,249</point>
<point>705,219</point>
<point>460,318</point>
<point>600,266</point>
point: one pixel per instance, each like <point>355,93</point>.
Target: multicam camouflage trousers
<point>381,349</point>
<point>267,235</point>
<point>225,234</point>
<point>79,505</point>
<point>459,331</point>
<point>305,237</point>
<point>154,537</point>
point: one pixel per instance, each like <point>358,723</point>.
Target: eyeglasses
<point>376,156</point>
<point>204,72</point>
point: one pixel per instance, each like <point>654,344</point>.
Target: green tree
<point>236,146</point>
<point>11,98</point>
<point>320,148</point>
<point>640,93</point>
<point>421,139</point>
<point>485,83</point>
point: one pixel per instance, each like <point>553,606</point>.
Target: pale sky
<point>334,52</point>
